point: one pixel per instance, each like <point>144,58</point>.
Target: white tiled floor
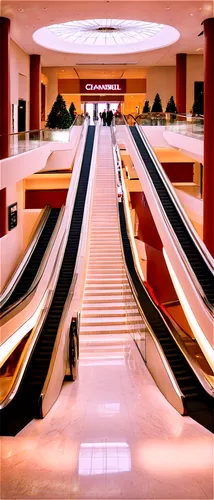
<point>111,434</point>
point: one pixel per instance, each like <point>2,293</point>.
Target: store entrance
<point>95,109</point>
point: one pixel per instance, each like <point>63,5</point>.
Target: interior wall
<point>132,101</point>
<point>75,98</point>
<point>19,79</point>
<point>157,273</point>
<point>11,245</point>
<point>51,87</point>
<point>195,73</point>
<point>30,221</point>
<point>161,79</point>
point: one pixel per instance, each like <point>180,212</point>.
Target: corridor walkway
<point>111,434</point>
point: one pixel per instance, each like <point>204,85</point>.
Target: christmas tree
<point>157,105</point>
<point>71,111</point>
<point>59,116</point>
<point>146,107</point>
<point>171,107</point>
<point>198,106</point>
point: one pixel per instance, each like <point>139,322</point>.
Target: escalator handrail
<point>201,376</point>
<point>197,285</point>
<point>168,185</point>
<point>191,230</point>
<point>80,269</point>
<point>41,268</point>
<point>31,342</point>
<point>155,339</point>
<point>11,284</point>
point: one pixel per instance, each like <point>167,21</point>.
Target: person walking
<point>104,117</point>
<point>109,117</point>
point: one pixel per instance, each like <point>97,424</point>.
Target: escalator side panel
<point>25,406</point>
<point>199,267</point>
<point>199,405</point>
<point>32,267</point>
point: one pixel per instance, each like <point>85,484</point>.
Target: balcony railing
<point>21,142</point>
<point>192,126</point>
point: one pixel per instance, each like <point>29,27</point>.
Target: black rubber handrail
<point>198,404</point>
<point>25,404</point>
<point>194,257</point>
<point>27,277</point>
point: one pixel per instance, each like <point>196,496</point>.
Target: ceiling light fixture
<point>21,10</point>
<point>106,36</point>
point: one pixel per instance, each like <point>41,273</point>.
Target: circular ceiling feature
<point>106,36</point>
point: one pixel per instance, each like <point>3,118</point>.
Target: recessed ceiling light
<point>200,48</point>
<point>45,8</point>
<point>167,8</point>
<point>63,70</point>
<point>21,10</point>
<point>191,14</point>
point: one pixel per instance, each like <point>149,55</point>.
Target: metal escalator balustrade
<point>25,405</point>
<point>196,261</point>
<point>32,267</point>
<point>198,404</point>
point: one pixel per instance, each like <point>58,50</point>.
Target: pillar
<point>35,92</point>
<point>181,60</point>
<point>208,228</point>
<point>4,86</point>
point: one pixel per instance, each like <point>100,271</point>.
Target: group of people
<point>106,117</point>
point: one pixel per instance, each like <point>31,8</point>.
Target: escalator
<point>195,258</point>
<point>31,269</point>
<point>25,404</point>
<point>198,403</point>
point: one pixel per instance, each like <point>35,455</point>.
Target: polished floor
<point>111,434</point>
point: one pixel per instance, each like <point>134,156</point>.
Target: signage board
<point>12,216</point>
<point>103,86</point>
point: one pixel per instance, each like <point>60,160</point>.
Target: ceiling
<point>184,15</point>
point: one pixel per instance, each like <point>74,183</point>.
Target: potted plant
<point>72,110</point>
<point>146,107</point>
<point>59,117</point>
<point>157,105</point>
<point>171,109</point>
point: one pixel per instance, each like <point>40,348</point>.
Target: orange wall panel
<point>136,86</point>
<point>68,86</point>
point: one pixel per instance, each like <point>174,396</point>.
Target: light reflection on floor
<point>104,458</point>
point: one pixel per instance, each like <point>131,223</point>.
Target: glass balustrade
<point>22,142</point>
<point>192,126</point>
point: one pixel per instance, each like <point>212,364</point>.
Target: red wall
<point>179,172</point>
<point>157,273</point>
<point>3,214</point>
<point>38,198</point>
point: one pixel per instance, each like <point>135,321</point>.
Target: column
<point>181,82</point>
<point>4,86</point>
<point>35,92</point>
<point>208,228</point>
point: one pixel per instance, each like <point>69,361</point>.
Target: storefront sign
<point>103,86</point>
<point>12,216</point>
